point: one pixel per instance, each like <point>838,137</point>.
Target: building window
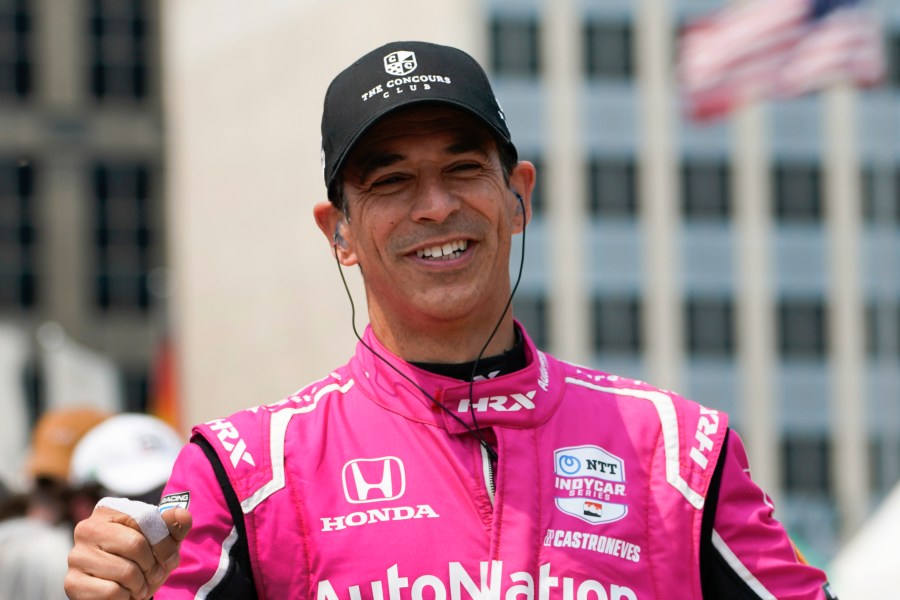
<point>705,190</point>
<point>120,50</point>
<point>883,329</point>
<point>15,49</point>
<point>531,311</point>
<point>617,325</point>
<point>893,58</point>
<point>612,187</point>
<point>123,235</point>
<point>608,50</point>
<point>710,326</point>
<point>806,459</point>
<point>515,46</point>
<point>798,192</point>
<point>881,195</point>
<point>802,328</point>
<point>537,195</point>
<point>18,279</point>
<point>136,388</point>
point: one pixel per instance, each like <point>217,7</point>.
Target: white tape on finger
<point>147,516</point>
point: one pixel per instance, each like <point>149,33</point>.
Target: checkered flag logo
<point>400,63</point>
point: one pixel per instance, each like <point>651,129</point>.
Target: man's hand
<point>112,559</point>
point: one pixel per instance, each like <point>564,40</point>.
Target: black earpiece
<point>520,210</point>
<point>338,239</point>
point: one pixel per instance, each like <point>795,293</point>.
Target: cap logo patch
<point>399,63</point>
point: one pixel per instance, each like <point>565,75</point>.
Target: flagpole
<point>849,464</point>
<point>568,306</point>
<point>756,347</point>
<point>662,331</point>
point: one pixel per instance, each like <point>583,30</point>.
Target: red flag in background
<point>163,401</point>
<point>769,49</point>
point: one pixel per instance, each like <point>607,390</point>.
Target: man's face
<point>431,216</point>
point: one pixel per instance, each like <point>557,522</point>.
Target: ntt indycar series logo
<point>487,581</point>
<point>590,484</point>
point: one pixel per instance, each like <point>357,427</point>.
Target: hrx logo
<point>226,432</point>
<point>510,403</point>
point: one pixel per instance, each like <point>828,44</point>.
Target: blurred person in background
<point>33,559</point>
<point>36,533</point>
<point>48,493</point>
<point>78,456</point>
<point>128,455</point>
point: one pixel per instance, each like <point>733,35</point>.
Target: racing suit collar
<point>520,400</point>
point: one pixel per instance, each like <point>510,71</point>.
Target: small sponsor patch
<point>593,509</point>
<point>178,500</point>
<point>590,484</point>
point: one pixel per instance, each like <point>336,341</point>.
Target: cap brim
<point>368,124</point>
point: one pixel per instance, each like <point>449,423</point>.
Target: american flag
<point>770,49</point>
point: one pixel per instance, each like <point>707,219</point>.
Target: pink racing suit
<point>359,487</point>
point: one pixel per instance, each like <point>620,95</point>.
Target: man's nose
<point>434,201</point>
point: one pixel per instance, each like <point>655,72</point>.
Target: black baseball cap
<point>400,74</point>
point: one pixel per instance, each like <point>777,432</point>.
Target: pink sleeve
<point>202,550</point>
<point>753,543</point>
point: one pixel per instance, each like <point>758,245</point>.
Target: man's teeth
<point>445,252</point>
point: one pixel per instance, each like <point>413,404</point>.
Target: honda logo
<point>374,480</point>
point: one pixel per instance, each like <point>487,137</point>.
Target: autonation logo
<point>486,583</point>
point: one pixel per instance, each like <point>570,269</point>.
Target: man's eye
<point>465,167</point>
<point>386,181</point>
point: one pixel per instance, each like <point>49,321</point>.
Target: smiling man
<point>449,457</point>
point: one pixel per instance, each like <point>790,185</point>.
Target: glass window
<point>617,324</point>
<point>802,328</point>
<point>705,190</point>
<point>612,187</point>
<point>798,192</point>
<point>710,326</point>
<point>119,49</point>
<point>123,235</point>
<point>608,50</point>
<point>15,48</point>
<point>537,195</point>
<point>806,459</point>
<point>531,311</point>
<point>881,194</point>
<point>136,389</point>
<point>893,58</point>
<point>883,328</point>
<point>18,277</point>
<point>515,47</point>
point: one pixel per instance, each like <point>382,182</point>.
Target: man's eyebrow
<point>467,144</point>
<point>377,161</point>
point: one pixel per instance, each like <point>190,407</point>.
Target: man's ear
<point>521,181</point>
<point>333,224</point>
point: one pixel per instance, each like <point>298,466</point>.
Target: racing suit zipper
<point>488,468</point>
